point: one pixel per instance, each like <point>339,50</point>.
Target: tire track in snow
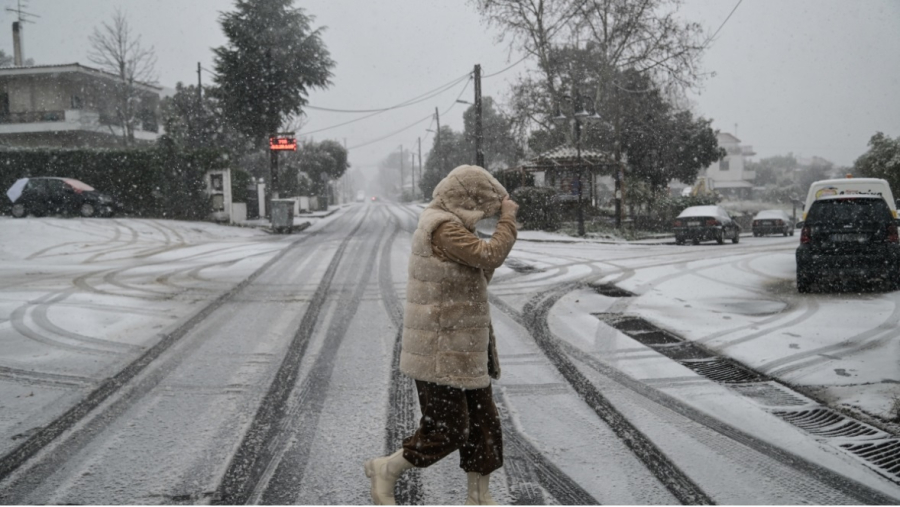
<point>867,340</point>
<point>292,448</point>
<point>539,311</point>
<point>402,398</point>
<point>534,318</point>
<point>14,459</point>
<point>254,454</point>
<point>45,251</point>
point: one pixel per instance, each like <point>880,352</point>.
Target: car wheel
<point>737,236</point>
<point>87,210</point>
<point>679,241</point>
<point>803,285</point>
<point>792,232</point>
<point>720,237</point>
<point>785,232</point>
<point>695,241</point>
<point>18,210</point>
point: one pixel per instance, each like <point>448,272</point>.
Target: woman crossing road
<point>448,345</point>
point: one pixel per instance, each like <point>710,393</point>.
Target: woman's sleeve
<point>458,244</point>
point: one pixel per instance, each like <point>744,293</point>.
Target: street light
<point>582,116</point>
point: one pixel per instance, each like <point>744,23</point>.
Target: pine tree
<point>272,60</point>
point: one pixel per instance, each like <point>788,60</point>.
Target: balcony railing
<point>33,116</point>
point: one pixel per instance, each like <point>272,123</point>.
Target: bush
<point>512,180</point>
<point>538,209</point>
<point>240,182</point>
<point>159,182</point>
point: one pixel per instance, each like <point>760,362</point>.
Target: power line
<point>506,69</point>
<point>411,125</point>
<point>367,116</point>
<point>417,99</point>
<point>211,73</point>
<point>723,24</point>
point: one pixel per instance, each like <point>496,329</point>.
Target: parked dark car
<point>848,238</point>
<point>705,223</point>
<point>51,196</point>
<point>772,221</point>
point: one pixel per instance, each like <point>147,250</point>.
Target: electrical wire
<point>391,134</point>
<point>419,98</point>
<point>370,115</point>
<point>412,124</point>
<point>457,98</point>
<point>723,24</point>
<point>506,69</point>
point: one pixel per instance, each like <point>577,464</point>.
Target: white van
<point>360,196</point>
<point>850,186</point>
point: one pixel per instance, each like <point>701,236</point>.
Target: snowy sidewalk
<point>302,220</point>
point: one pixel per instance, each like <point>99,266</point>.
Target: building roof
<point>727,138</point>
<point>565,156</point>
<point>70,67</point>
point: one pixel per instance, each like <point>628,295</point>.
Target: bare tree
<point>115,49</point>
<point>645,35</point>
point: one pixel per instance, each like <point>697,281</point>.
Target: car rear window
<point>850,210</point>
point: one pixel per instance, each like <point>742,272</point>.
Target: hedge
<point>160,182</point>
<point>538,208</point>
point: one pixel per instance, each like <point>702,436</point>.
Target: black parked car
<point>773,221</point>
<point>848,238</point>
<point>702,223</point>
<point>50,196</point>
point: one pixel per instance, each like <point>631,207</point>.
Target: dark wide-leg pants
<point>463,419</point>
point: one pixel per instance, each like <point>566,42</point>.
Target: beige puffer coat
<point>447,324</point>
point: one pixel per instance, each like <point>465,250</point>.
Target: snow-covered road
<point>174,362</point>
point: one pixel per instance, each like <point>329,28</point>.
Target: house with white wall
<point>729,175</point>
<point>70,106</point>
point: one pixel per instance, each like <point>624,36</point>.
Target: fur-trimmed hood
<point>469,192</point>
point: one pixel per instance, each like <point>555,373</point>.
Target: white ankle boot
<point>478,489</point>
<point>383,473</point>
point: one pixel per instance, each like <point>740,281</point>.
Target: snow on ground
<point>741,301</point>
<point>734,299</point>
<point>80,298</point>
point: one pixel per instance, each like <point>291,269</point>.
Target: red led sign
<point>279,143</point>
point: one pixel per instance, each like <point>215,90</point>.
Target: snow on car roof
<point>771,213</point>
<point>702,211</point>
<point>849,196</point>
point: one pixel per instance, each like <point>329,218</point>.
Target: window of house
<point>147,118</point>
<point>723,164</point>
<point>77,103</point>
<point>4,105</point>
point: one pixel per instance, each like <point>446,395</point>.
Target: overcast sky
<point>812,77</point>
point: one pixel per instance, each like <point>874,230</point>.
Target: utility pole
<point>273,160</point>
<point>412,170</point>
<point>420,165</point>
<point>619,175</point>
<point>479,137</point>
<point>437,115</point>
<point>401,172</point>
<point>199,88</point>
